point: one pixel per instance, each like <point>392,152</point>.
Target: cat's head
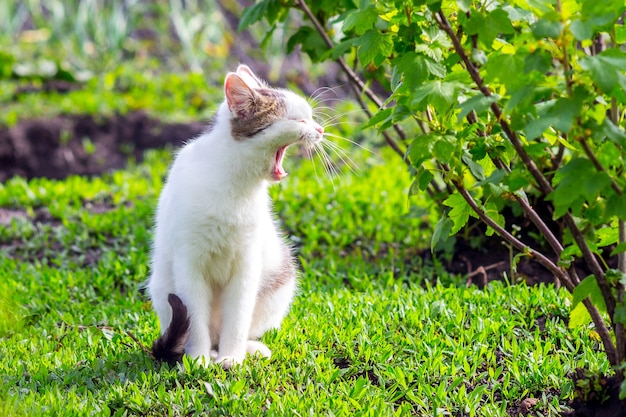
<point>268,119</point>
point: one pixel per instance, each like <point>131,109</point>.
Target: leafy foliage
<point>517,107</point>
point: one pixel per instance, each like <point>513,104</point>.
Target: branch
<point>596,317</point>
<point>518,244</point>
<point>357,84</point>
<point>542,181</point>
<point>596,163</point>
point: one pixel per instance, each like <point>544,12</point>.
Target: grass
<point>169,96</point>
<point>372,331</point>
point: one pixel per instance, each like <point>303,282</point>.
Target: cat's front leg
<point>238,303</point>
<point>196,294</point>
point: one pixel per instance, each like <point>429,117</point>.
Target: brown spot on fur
<point>282,276</point>
<point>268,107</point>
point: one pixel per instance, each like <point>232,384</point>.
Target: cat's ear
<point>250,77</point>
<point>241,99</point>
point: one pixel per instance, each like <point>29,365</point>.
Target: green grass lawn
<point>371,332</point>
<point>374,330</point>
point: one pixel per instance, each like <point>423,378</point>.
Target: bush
<point>499,107</point>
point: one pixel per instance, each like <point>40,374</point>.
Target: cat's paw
<point>205,361</point>
<point>253,347</point>
<point>228,362</point>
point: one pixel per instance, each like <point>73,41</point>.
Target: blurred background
<point>86,85</point>
<point>76,40</point>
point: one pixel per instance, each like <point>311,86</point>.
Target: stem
<point>603,331</point>
<point>596,317</point>
<point>394,145</point>
<point>352,76</point>
<point>543,228</point>
<point>542,182</point>
<point>596,163</point>
<point>518,244</point>
<point>359,87</point>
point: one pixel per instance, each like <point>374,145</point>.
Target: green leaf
<point>381,116</point>
<point>374,47</point>
<point>491,210</point>
<point>506,68</point>
<point>253,14</point>
<point>577,180</point>
<point>588,287</point>
<point>606,236</point>
<point>434,68</point>
<point>500,20</point>
<point>476,169</point>
<point>516,179</point>
<point>561,115</point>
<point>489,26</point>
<point>420,149</point>
<point>546,28</point>
<point>615,133</point>
<point>616,206</point>
<point>620,34</point>
<point>596,16</point>
<point>424,179</point>
<point>581,29</point>
<point>619,249</point>
<point>443,149</point>
<point>540,61</point>
<point>579,317</point>
<point>606,69</point>
<point>478,103</point>
<point>339,49</point>
<point>311,42</point>
<point>620,313</point>
<point>460,211</point>
<point>441,232</point>
<point>440,94</point>
<point>615,276</point>
<point>361,20</point>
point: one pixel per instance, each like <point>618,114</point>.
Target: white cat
<point>221,273</point>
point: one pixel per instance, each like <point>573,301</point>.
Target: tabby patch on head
<point>255,108</point>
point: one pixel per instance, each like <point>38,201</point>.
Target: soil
<point>84,145</point>
<point>87,145</point>
<point>595,396</point>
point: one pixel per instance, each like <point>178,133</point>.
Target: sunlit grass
<point>370,333</point>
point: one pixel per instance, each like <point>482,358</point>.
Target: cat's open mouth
<point>278,172</point>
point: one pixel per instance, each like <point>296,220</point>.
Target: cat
<point>221,273</point>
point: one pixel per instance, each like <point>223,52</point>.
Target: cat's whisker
<point>325,114</point>
<point>332,135</point>
<point>329,100</point>
<point>342,155</point>
<point>340,123</point>
<point>315,95</point>
<point>341,115</point>
<point>326,162</point>
<point>310,153</point>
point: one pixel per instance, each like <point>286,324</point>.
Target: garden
<point>460,241</point>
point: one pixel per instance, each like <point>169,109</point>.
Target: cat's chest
<point>222,248</point>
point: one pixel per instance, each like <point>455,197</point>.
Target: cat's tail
<point>171,345</point>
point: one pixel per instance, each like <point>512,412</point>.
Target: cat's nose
<point>319,129</point>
